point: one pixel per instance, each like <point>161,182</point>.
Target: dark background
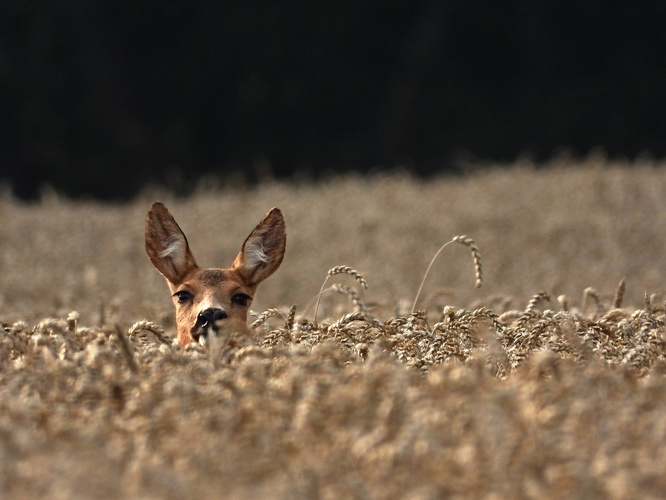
<point>103,98</point>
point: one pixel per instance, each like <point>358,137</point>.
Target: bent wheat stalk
<point>339,270</point>
<point>476,256</point>
<point>149,326</point>
<point>289,318</point>
<point>536,299</point>
<point>126,350</point>
<point>261,318</point>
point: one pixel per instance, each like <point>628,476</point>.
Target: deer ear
<point>166,245</point>
<point>263,250</point>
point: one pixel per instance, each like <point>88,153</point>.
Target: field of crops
<point>548,381</point>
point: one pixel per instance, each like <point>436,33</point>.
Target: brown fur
<point>212,288</point>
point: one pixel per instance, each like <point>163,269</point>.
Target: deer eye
<point>241,299</point>
<point>183,296</point>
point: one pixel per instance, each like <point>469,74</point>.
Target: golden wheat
<point>536,300</point>
<point>619,294</point>
<point>476,256</point>
<point>261,318</point>
<point>126,350</point>
<point>296,398</point>
<point>149,326</point>
<point>475,398</point>
<point>591,293</point>
<point>334,271</point>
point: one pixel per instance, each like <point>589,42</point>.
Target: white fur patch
<point>174,249</point>
<point>255,254</point>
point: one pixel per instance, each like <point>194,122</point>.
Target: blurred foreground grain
<point>548,382</point>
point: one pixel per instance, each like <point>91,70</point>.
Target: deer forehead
<point>215,283</point>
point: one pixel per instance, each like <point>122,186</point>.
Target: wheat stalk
<point>476,256</point>
<point>339,270</point>
<point>619,294</point>
<point>52,324</point>
<point>149,326</point>
<point>356,300</point>
<point>261,318</point>
<point>127,350</point>
<point>351,272</point>
<point>347,318</point>
<point>590,292</point>
<point>648,304</point>
<point>291,317</point>
<point>564,302</point>
<point>352,294</point>
<point>536,299</point>
<point>72,320</point>
<point>269,313</point>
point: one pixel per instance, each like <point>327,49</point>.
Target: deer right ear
<point>166,245</point>
<point>263,250</point>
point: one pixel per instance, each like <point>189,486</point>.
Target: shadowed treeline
<point>103,98</point>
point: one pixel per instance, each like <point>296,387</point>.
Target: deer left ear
<point>167,245</point>
<point>263,250</point>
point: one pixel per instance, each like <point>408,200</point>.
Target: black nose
<point>209,316</point>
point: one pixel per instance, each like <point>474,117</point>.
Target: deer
<point>212,301</point>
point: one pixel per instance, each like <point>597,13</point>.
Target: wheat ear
<point>72,320</point>
<point>261,318</point>
<point>352,294</point>
<point>590,292</point>
<point>151,327</point>
<point>126,350</point>
<point>619,294</point>
<point>536,299</point>
<point>339,270</point>
<point>648,304</point>
<point>289,319</point>
<point>476,256</point>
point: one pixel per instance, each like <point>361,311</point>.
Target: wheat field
<point>545,382</point>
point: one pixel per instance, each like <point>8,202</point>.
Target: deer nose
<point>210,316</point>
